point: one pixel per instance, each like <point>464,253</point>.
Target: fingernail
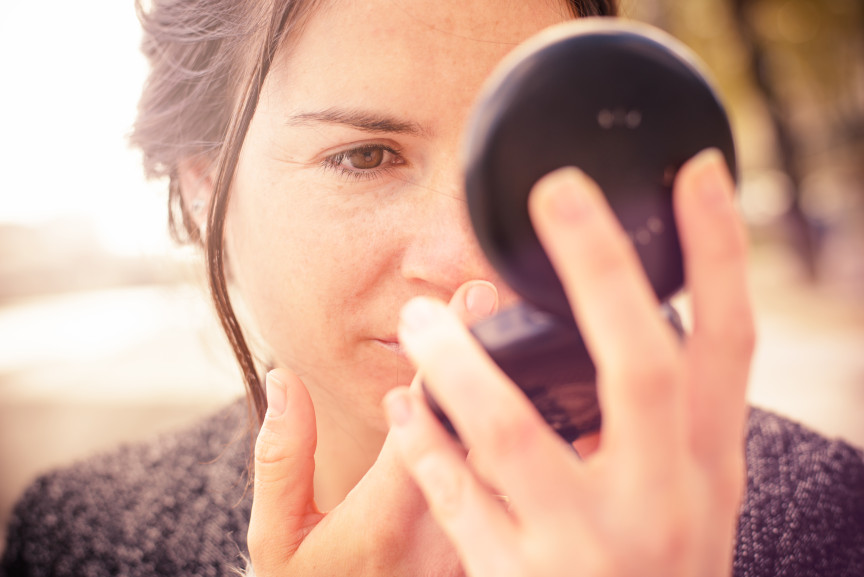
<point>276,394</point>
<point>711,176</point>
<point>418,313</point>
<point>566,194</point>
<point>397,404</point>
<point>481,299</point>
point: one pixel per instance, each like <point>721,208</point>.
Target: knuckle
<point>744,335</point>
<point>658,376</point>
<point>735,332</point>
<point>267,448</point>
<point>671,539</point>
<point>276,457</point>
<point>507,434</point>
<point>443,486</point>
<point>729,246</point>
<point>730,481</point>
<point>612,259</point>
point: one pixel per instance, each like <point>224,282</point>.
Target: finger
<point>388,490</point>
<point>474,301</point>
<point>283,509</point>
<point>636,354</point>
<point>475,521</point>
<point>471,302</point>
<point>721,344</point>
<point>503,430</point>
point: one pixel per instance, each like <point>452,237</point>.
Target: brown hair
<point>208,61</point>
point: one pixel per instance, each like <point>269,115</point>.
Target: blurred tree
<point>801,63</point>
<point>803,237</point>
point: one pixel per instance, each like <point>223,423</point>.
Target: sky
<point>71,74</point>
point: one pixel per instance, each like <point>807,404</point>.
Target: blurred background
<point>106,334</point>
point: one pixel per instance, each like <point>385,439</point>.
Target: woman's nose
<point>442,249</point>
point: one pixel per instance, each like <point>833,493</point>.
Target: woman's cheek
<point>331,252</point>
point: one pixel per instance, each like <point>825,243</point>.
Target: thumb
<point>283,508</point>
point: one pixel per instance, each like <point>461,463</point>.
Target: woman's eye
<point>364,162</point>
<point>365,158</point>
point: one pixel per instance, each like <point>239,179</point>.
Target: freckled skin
<point>324,262</point>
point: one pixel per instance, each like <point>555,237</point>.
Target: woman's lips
<point>391,344</point>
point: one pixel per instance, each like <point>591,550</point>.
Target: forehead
<point>426,53</point>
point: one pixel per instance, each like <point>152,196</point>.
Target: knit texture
<point>804,510</point>
<point>178,506</point>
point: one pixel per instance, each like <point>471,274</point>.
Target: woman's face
<point>348,198</point>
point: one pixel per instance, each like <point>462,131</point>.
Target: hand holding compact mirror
<point>627,105</point>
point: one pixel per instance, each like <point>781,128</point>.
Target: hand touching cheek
<point>382,527</point>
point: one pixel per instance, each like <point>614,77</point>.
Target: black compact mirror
<point>628,105</point>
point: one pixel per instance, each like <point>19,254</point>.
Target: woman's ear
<point>197,179</point>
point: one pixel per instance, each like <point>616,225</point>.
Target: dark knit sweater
<point>178,506</point>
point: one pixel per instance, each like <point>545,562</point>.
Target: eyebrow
<point>360,119</point>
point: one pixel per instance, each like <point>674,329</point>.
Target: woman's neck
<point>348,446</point>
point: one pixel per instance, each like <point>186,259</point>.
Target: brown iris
<point>366,158</point>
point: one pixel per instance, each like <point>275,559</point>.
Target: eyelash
<point>334,163</point>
